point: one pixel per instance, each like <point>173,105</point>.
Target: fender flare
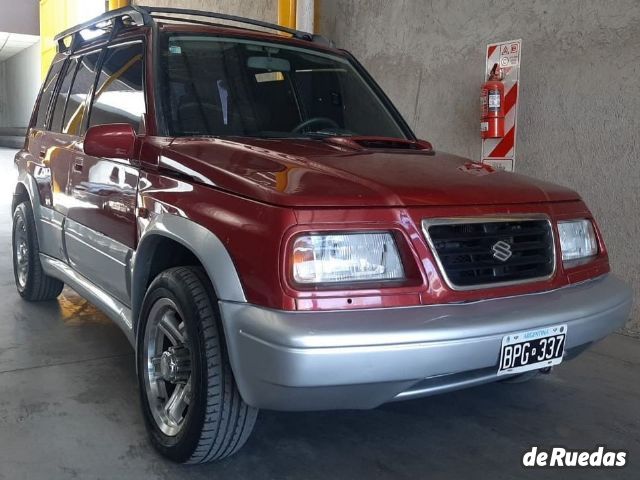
<point>203,243</point>
<point>29,183</point>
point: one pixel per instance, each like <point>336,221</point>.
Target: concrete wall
<point>20,16</point>
<point>579,111</point>
<point>19,85</point>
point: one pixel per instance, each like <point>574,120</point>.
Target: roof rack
<point>141,16</point>
<point>114,17</point>
<point>223,16</point>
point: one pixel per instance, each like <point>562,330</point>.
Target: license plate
<point>532,349</point>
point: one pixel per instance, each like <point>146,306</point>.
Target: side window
<point>119,97</point>
<point>63,94</point>
<point>47,91</point>
<point>79,93</point>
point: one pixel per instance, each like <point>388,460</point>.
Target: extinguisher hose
<point>493,75</point>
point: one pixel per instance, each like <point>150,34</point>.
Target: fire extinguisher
<point>492,106</point>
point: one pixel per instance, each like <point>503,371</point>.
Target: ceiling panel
<point>13,43</point>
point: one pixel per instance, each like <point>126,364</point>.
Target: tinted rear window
<point>63,94</point>
<point>47,91</point>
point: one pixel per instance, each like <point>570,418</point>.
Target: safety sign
<point>504,58</point>
<point>510,54</point>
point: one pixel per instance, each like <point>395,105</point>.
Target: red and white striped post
<point>500,153</point>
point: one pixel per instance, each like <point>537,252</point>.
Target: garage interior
<point>68,391</point>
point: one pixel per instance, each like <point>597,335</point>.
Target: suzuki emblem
<point>501,251</point>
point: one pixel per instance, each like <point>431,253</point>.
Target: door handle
<point>78,163</point>
<point>44,158</point>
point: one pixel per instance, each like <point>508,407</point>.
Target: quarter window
<point>47,91</point>
<point>63,94</point>
<point>119,97</point>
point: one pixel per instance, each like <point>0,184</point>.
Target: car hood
<point>318,173</point>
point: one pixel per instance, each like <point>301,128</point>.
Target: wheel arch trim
<point>204,244</point>
<point>29,183</point>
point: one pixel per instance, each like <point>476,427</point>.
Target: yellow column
<point>53,19</point>
<point>113,4</point>
<point>287,13</point>
<point>58,15</point>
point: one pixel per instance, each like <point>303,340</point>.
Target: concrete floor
<point>69,409</point>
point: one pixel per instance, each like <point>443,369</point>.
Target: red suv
<point>254,213</point>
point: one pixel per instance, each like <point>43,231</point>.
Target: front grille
<point>475,253</point>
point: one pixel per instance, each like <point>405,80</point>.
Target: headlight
<point>348,257</point>
<point>577,239</point>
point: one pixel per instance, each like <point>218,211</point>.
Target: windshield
<point>235,87</point>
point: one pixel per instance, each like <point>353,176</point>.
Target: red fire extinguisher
<point>492,106</point>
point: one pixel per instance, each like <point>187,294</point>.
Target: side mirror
<point>113,140</point>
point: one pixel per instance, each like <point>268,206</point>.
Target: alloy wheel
<point>21,246</point>
<point>167,367</point>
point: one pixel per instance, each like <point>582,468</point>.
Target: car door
<point>60,143</point>
<point>65,125</point>
<point>100,228</point>
<point>38,143</point>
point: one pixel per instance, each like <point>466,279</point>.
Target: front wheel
<point>192,408</point>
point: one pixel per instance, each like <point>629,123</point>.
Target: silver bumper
<point>363,358</point>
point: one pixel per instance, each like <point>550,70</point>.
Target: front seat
<point>199,116</point>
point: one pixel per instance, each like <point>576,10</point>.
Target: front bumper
<point>358,359</point>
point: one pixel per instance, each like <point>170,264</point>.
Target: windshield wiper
<point>273,135</point>
<point>327,133</point>
<point>312,134</point>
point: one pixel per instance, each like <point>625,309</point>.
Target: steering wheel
<point>312,121</point>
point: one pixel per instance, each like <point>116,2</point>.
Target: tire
<point>209,421</point>
<point>32,283</point>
